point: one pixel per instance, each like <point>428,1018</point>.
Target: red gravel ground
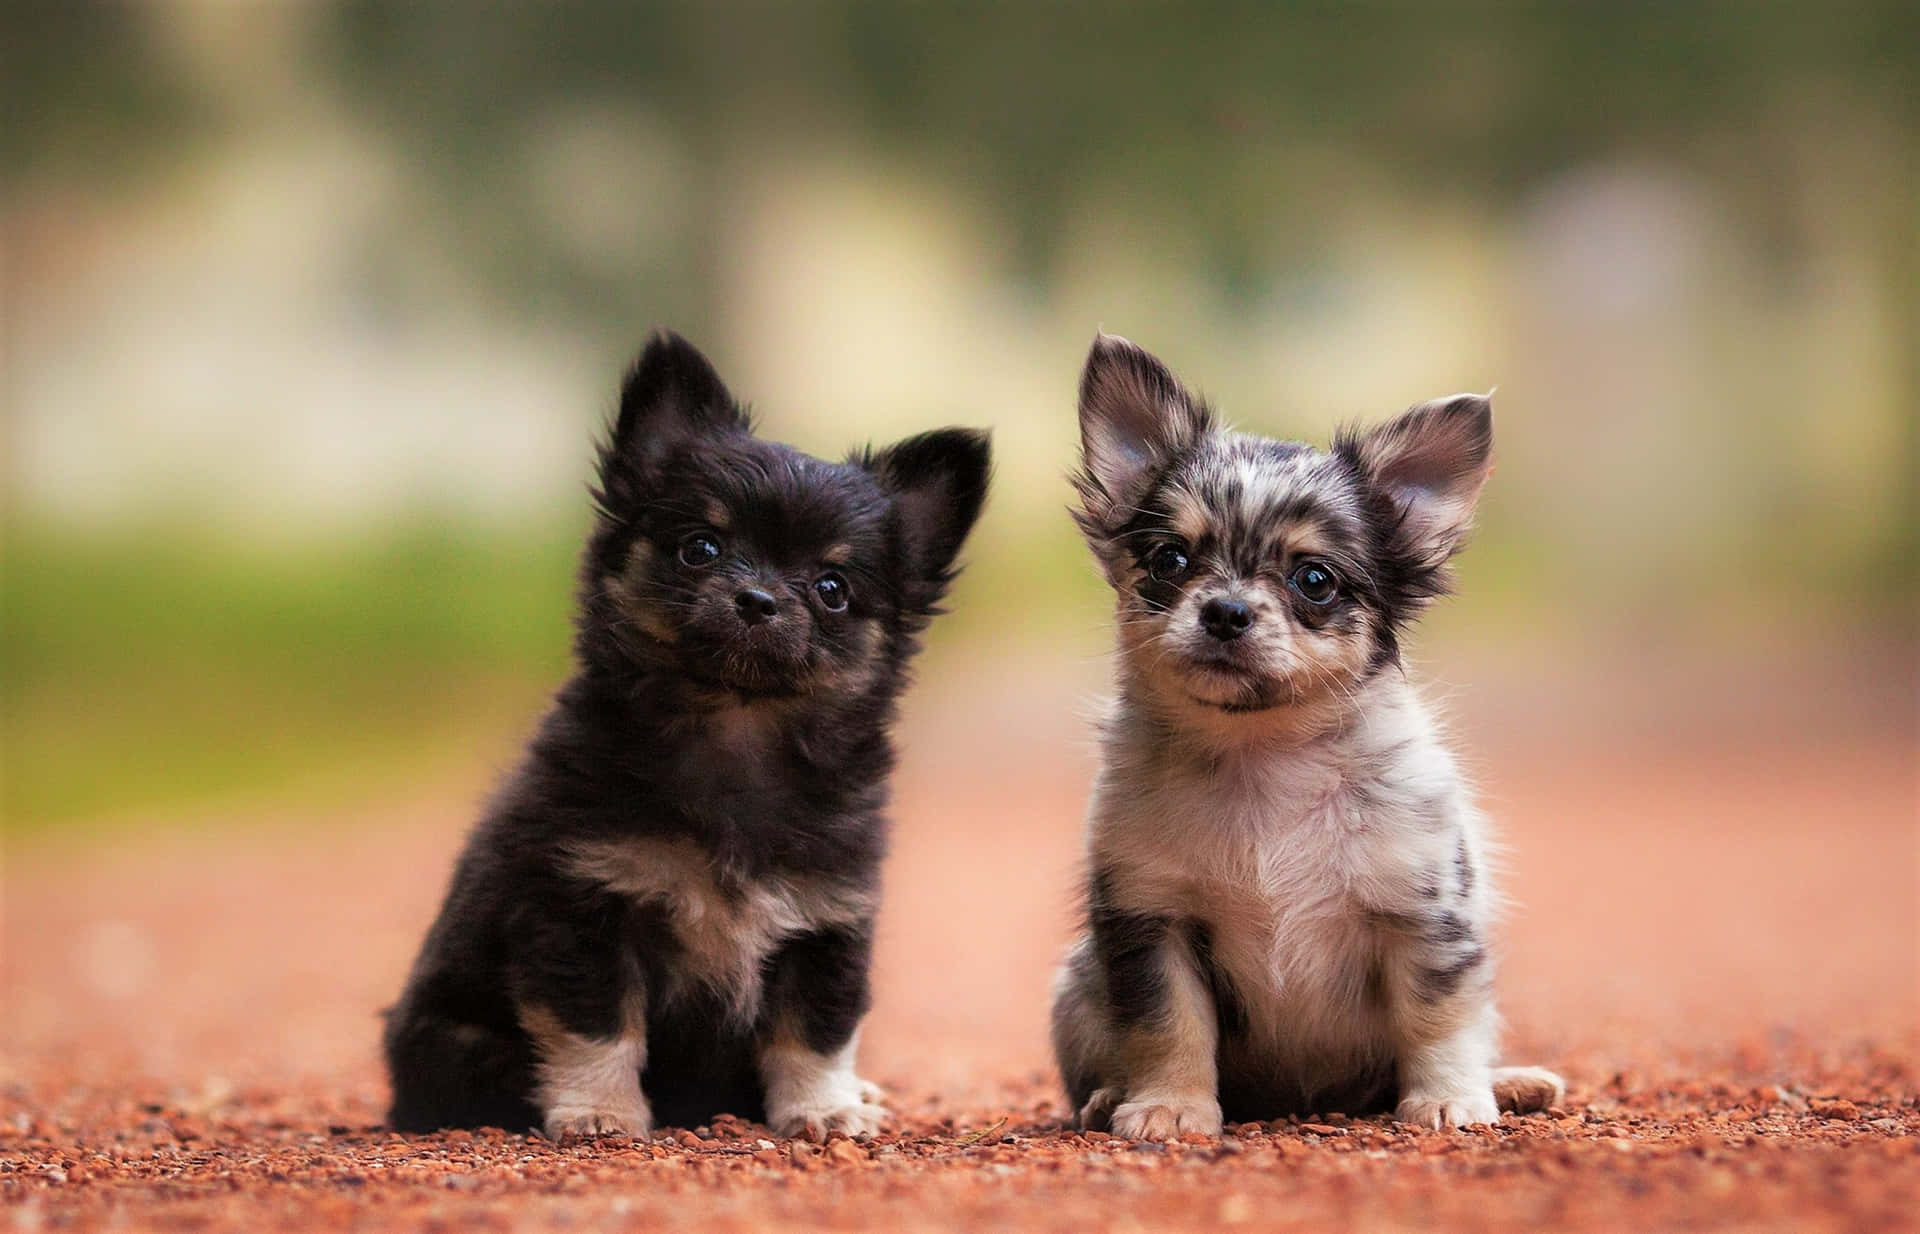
<point>1715,943</point>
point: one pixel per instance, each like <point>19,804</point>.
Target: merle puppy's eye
<point>1315,583</point>
<point>701,548</point>
<point>1167,563</point>
<point>832,590</point>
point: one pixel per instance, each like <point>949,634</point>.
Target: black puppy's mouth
<point>763,694</point>
<point>755,682</point>
<point>723,691</point>
<point>755,673</point>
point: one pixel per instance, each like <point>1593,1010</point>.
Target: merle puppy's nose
<point>754,606</point>
<point>1225,619</point>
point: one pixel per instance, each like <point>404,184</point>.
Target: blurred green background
<point>311,311</point>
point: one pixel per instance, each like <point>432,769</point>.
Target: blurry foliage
<point>1184,103</point>
<point>87,97</point>
<point>168,667</point>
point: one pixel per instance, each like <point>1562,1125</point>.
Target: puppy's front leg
<point>816,996</point>
<point>1165,1024</point>
<point>581,999</point>
<point>1442,1004</point>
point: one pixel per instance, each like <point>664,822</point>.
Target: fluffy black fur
<point>759,747</point>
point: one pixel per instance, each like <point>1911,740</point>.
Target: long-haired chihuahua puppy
<point>1288,900</point>
<point>667,912</point>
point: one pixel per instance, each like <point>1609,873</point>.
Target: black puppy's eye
<point>1167,563</point>
<point>699,549</point>
<point>832,590</point>
<point>1315,583</point>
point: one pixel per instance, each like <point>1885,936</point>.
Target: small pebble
<point>845,1152</point>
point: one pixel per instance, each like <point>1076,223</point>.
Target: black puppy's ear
<point>1429,463</point>
<point>671,390</point>
<point>671,393</point>
<point>1134,416</point>
<point>938,482</point>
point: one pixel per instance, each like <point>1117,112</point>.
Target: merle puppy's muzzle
<point>1226,617</point>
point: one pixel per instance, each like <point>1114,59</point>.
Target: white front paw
<point>563,1121</point>
<point>851,1108</point>
<point>1435,1112</point>
<point>1166,1117</point>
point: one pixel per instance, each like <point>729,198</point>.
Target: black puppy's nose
<point>1225,619</point>
<point>754,606</point>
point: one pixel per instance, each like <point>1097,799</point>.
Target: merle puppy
<point>667,912</point>
<point>1288,901</point>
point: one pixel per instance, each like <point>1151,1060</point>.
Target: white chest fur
<point>1293,860</point>
<point>723,933</point>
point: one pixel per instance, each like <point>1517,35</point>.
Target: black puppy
<point>667,913</point>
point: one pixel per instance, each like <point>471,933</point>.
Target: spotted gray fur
<point>1289,910</point>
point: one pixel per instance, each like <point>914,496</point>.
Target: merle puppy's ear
<point>1134,416</point>
<point>671,393</point>
<point>1428,465</point>
<point>938,482</point>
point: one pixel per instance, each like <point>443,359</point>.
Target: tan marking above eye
<point>1296,537</point>
<point>1189,517</point>
<point>717,517</point>
<point>837,555</point>
<point>1303,538</point>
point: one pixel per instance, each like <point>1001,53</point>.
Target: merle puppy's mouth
<point>1236,709</point>
<point>1220,683</point>
<point>1255,696</point>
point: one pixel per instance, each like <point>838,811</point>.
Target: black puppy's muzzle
<point>755,606</point>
